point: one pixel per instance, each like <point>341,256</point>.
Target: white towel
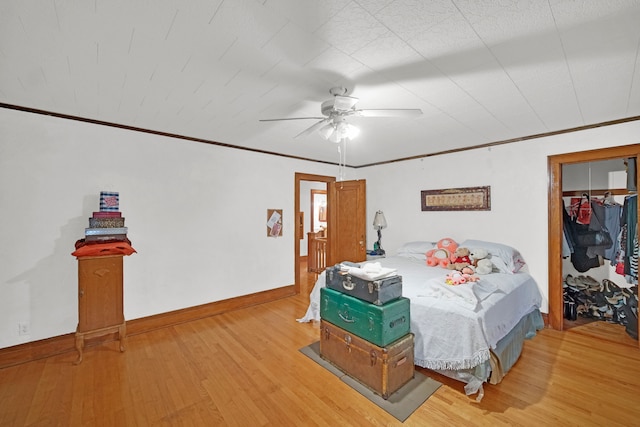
<point>370,271</point>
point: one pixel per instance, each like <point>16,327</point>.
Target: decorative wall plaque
<point>457,199</point>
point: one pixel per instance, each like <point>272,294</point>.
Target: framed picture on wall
<point>457,199</point>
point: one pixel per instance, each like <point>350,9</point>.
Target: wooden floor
<point>243,368</point>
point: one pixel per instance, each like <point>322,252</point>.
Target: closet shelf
<point>598,192</point>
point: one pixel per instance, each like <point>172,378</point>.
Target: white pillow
<point>505,258</point>
<point>416,250</point>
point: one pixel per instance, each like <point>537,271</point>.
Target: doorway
<point>555,214</point>
<point>346,221</point>
<point>300,180</point>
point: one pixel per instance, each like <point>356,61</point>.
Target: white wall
<point>517,174</point>
<point>196,214</point>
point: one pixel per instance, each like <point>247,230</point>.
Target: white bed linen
<point>449,334</point>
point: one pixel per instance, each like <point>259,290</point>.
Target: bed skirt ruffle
<point>455,365</point>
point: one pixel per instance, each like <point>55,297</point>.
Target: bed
<point>472,332</point>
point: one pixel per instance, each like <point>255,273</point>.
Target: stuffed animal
<point>468,270</point>
<point>460,259</point>
<point>440,256</point>
<point>480,261</point>
<point>448,244</point>
<point>456,278</point>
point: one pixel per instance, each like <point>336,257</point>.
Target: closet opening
<point>593,245</point>
<point>599,257</point>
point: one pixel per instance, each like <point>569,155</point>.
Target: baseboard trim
<point>35,350</point>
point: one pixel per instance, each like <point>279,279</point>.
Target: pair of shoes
<point>622,316</point>
<point>626,294</point>
<point>582,309</point>
<point>591,283</point>
<point>612,292</point>
<point>632,321</point>
<point>600,301</point>
<point>570,283</point>
<point>570,311</point>
<point>608,314</point>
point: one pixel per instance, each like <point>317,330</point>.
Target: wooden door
<point>346,201</point>
<point>100,302</point>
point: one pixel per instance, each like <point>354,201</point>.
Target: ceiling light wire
<point>342,159</point>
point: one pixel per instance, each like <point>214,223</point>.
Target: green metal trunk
<point>378,324</point>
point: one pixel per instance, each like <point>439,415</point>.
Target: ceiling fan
<point>333,125</point>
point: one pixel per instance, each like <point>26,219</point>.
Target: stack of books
<point>107,224</point>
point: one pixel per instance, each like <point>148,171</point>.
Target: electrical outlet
<point>23,328</point>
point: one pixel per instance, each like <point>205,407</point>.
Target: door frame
<point>555,224</point>
<point>299,176</point>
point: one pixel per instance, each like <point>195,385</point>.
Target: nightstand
<point>100,299</point>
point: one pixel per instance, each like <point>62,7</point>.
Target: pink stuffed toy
<point>456,278</point>
<point>440,256</point>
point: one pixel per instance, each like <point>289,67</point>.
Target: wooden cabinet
<point>100,299</point>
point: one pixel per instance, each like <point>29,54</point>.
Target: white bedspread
<point>455,326</point>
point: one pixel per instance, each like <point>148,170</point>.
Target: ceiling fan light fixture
<point>336,132</point>
<point>351,131</point>
<point>326,130</point>
<point>347,130</point>
<point>335,137</point>
<point>333,125</point>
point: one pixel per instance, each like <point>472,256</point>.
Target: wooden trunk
<point>382,369</point>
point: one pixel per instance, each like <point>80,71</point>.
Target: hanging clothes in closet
<point>626,261</point>
<point>590,227</point>
<point>606,216</point>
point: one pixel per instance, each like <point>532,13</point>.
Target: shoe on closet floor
<point>612,292</point>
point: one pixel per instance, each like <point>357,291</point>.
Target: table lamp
<point>379,222</point>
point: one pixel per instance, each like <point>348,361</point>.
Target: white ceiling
<point>481,71</point>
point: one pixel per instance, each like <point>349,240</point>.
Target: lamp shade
<point>379,221</point>
<point>337,131</point>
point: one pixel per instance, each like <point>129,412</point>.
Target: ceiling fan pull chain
<point>344,156</point>
<point>340,173</point>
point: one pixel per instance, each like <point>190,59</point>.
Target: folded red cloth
<point>80,243</point>
<point>110,248</point>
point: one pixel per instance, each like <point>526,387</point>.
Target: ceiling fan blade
<point>393,112</point>
<point>292,118</point>
<point>313,127</point>
<point>344,103</point>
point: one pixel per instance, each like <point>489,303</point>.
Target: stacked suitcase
<point>107,224</point>
<point>365,330</point>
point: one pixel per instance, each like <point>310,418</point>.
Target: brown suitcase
<point>382,369</point>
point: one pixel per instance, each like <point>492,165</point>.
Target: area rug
<point>400,404</point>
